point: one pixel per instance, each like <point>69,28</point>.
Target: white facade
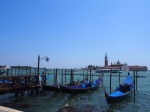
<point>124,67</point>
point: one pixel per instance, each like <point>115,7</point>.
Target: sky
<point>74,33</point>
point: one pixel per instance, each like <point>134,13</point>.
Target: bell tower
<point>106,60</point>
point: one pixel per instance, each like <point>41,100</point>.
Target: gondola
<point>57,87</point>
<point>82,88</point>
<point>122,91</point>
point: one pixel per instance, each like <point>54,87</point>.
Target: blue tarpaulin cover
<point>47,76</point>
<point>116,94</point>
<point>128,80</point>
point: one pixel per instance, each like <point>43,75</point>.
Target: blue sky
<point>74,33</point>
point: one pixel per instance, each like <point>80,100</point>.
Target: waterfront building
<point>121,66</point>
<point>138,68</point>
<point>116,66</point>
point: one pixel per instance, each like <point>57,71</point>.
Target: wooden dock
<point>18,84</point>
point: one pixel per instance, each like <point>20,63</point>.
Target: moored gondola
<point>57,87</point>
<point>121,92</point>
<point>82,88</point>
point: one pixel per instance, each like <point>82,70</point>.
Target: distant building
<point>117,65</point>
<point>85,68</point>
<point>122,67</point>
<point>106,60</point>
<point>138,68</point>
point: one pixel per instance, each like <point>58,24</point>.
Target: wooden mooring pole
<point>62,76</point>
<point>87,73</point>
<point>90,74</point>
<point>110,80</point>
<point>134,84</point>
<point>65,76</point>
<point>71,77</point>
<point>83,74</point>
<point>119,78</point>
<point>136,79</point>
<point>56,76</point>
<point>102,76</point>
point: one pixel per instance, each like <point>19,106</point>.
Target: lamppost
<point>40,59</point>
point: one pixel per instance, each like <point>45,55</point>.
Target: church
<point>118,65</point>
<point>122,66</point>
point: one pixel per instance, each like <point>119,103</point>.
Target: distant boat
<point>121,92</point>
<point>84,87</point>
<point>108,71</point>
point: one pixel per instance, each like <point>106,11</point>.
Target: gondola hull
<point>56,88</point>
<point>50,87</point>
<point>116,99</point>
<point>122,91</point>
<point>92,86</point>
<point>77,90</point>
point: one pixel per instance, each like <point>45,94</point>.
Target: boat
<point>108,71</point>
<point>122,91</point>
<point>56,87</point>
<point>81,88</point>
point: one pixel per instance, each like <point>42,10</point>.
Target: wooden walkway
<point>17,84</point>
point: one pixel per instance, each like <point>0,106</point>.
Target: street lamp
<point>40,59</point>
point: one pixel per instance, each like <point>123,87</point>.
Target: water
<point>88,102</point>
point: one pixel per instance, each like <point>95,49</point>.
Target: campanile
<point>106,60</point>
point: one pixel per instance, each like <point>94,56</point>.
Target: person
<point>73,83</point>
<point>122,88</point>
<point>78,82</point>
<point>85,80</point>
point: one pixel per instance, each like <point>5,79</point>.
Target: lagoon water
<point>88,102</point>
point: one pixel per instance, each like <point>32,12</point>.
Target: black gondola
<point>82,88</point>
<point>57,87</point>
<point>122,90</point>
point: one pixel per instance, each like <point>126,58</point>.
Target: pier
<point>19,84</point>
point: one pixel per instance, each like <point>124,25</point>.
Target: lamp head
<point>47,59</point>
